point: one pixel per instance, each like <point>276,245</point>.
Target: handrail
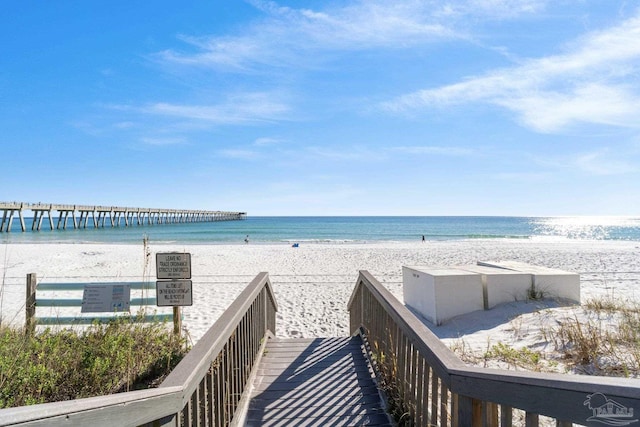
<point>197,362</point>
<point>122,409</point>
<point>435,387</point>
<point>206,388</point>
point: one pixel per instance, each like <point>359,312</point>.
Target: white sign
<point>106,298</point>
<point>173,293</point>
<point>173,265</point>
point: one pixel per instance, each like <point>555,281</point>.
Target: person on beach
<point>246,239</point>
<point>423,238</point>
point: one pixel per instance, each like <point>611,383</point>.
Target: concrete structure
<point>547,282</point>
<point>117,215</point>
<point>439,294</point>
<point>500,285</point>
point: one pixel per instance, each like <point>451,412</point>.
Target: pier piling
<point>117,215</point>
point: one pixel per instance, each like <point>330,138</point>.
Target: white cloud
<point>239,154</point>
<point>523,176</point>
<point>265,141</point>
<point>346,154</point>
<point>436,150</point>
<point>285,35</point>
<point>599,162</point>
<point>162,141</point>
<point>238,109</point>
<point>602,163</point>
<point>595,82</point>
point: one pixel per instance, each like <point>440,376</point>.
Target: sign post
<point>172,287</point>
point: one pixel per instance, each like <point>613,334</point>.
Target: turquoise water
<point>343,230</point>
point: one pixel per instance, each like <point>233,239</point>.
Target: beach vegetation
<point>535,294</point>
<point>102,359</point>
<point>601,337</point>
<point>605,340</point>
<point>386,369</point>
<point>516,357</point>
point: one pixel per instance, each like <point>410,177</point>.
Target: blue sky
<point>477,107</point>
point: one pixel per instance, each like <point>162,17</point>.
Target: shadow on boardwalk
<point>315,382</point>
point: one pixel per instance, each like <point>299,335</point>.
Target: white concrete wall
<point>551,282</point>
<point>501,285</point>
<point>440,294</point>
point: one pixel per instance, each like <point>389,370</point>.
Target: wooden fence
<point>41,295</point>
<point>205,388</point>
<point>436,388</point>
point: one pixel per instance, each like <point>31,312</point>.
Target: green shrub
<point>103,359</point>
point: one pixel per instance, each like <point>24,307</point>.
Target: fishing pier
<point>79,216</point>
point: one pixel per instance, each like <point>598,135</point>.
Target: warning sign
<point>173,265</point>
<point>174,293</point>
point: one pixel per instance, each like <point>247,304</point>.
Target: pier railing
<point>205,389</point>
<point>115,215</point>
<point>429,385</point>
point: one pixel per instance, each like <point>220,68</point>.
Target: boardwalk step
<point>315,382</point>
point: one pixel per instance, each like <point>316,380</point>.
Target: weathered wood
<point>30,303</point>
<point>124,409</point>
<point>204,389</point>
<point>177,321</point>
<point>490,411</point>
<point>323,381</point>
<point>444,405</point>
<point>438,356</point>
<point>506,416</point>
<point>553,395</point>
<point>531,420</point>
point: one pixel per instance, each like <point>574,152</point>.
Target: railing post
<point>266,311</point>
<point>469,411</point>
<point>30,304</point>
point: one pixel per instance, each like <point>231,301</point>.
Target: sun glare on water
<point>588,227</point>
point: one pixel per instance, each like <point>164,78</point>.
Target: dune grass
<point>602,337</point>
<point>103,359</point>
<point>605,341</point>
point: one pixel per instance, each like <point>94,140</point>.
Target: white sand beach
<point>313,282</point>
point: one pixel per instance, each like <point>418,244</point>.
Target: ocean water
<point>341,230</point>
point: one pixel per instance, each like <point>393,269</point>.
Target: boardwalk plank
<point>315,382</point>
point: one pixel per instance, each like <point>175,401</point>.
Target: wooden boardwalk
<point>315,382</point>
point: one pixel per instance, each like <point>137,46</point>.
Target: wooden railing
<point>205,389</point>
<point>429,385</point>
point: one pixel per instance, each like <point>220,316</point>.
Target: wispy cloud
<point>240,154</point>
<point>346,153</point>
<point>435,150</point>
<point>602,162</point>
<point>266,141</point>
<point>524,176</point>
<point>588,84</point>
<point>285,35</point>
<point>159,141</point>
<point>597,162</point>
<point>238,109</point>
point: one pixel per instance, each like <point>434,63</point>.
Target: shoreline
<point>328,242</point>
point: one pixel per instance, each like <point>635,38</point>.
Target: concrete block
<point>549,282</point>
<point>500,285</point>
<point>439,294</point>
